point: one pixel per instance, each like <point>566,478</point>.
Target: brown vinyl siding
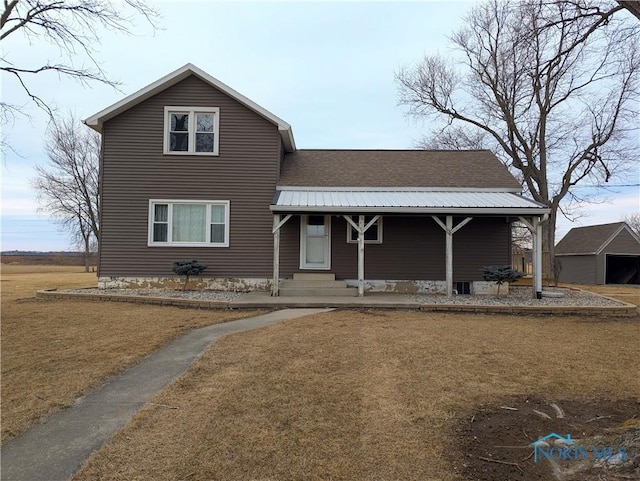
<point>135,170</point>
<point>413,248</point>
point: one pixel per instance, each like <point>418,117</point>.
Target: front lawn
<point>53,351</point>
<point>368,395</point>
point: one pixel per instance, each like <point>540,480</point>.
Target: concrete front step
<point>314,276</point>
<point>312,284</point>
<point>307,284</point>
<point>320,291</point>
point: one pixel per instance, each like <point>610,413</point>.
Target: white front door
<point>315,242</point>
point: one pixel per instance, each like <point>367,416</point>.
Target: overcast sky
<point>326,68</point>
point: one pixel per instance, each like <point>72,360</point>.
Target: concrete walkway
<point>55,450</point>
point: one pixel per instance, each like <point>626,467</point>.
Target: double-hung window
<point>189,223</point>
<point>191,130</point>
<point>373,235</point>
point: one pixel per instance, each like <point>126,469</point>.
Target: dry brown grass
<point>360,395</point>
<point>54,351</point>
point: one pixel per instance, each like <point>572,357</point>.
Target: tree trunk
<point>548,245</point>
<point>87,252</point>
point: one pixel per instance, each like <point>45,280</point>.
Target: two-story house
<point>190,168</point>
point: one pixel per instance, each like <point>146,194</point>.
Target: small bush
<point>187,268</point>
<point>500,274</point>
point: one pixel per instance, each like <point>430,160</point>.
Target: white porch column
<point>535,227</point>
<point>360,256</point>
<point>449,255</point>
<point>449,231</point>
<point>538,259</point>
<point>277,224</point>
<point>361,228</point>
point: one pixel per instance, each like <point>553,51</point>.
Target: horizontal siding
<point>135,170</point>
<point>577,269</point>
<point>482,242</point>
<point>412,248</point>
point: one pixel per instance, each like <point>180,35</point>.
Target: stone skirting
<point>235,284</point>
<point>245,284</point>
<point>426,287</point>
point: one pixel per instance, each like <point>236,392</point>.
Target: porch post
<point>537,240</point>
<point>360,228</point>
<point>536,257</point>
<point>360,256</point>
<point>449,231</point>
<point>275,287</point>
<point>277,224</point>
<point>449,255</point>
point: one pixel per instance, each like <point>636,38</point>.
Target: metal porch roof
<point>401,201</point>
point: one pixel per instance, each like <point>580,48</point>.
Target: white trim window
<point>191,130</point>
<point>189,223</point>
<point>373,235</point>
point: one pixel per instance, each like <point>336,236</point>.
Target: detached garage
<point>599,254</point>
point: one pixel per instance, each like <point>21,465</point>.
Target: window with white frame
<point>373,235</point>
<point>191,130</point>
<point>189,223</point>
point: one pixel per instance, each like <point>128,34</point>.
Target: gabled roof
<point>96,120</point>
<point>449,170</point>
<point>591,239</point>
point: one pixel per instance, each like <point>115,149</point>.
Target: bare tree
<point>68,188</point>
<point>550,85</point>
<point>72,26</point>
<point>633,221</point>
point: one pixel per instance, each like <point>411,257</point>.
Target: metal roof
<point>393,201</point>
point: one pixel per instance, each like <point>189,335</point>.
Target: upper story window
<point>373,235</point>
<point>191,130</point>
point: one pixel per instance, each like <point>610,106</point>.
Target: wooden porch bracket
<point>450,230</point>
<point>361,228</point>
<point>277,224</point>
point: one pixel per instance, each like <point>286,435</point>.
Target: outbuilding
<point>599,254</point>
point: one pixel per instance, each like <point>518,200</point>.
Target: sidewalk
<point>55,450</point>
<point>374,300</point>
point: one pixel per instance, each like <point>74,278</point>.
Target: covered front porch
<point>440,239</point>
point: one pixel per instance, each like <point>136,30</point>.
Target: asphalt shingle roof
<point>396,168</point>
<point>586,240</point>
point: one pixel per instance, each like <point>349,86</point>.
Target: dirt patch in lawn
<point>55,351</point>
<point>586,440</point>
<point>371,395</point>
